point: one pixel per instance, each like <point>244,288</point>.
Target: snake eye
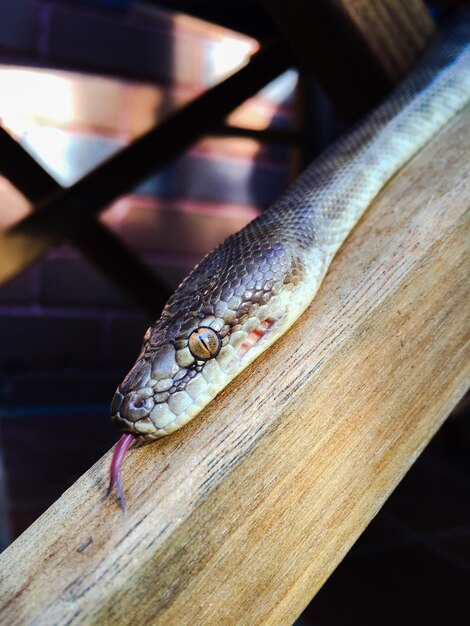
<point>204,343</point>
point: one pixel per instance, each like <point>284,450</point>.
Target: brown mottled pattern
<point>272,268</point>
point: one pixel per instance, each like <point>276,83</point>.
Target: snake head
<point>168,383</point>
<point>235,303</point>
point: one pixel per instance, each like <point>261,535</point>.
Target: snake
<point>250,290</point>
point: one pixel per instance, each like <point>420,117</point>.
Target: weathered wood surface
<point>356,49</point>
<point>241,516</point>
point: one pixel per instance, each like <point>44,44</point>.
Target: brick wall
<point>78,83</point>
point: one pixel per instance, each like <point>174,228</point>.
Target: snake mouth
<point>143,429</point>
<point>255,336</point>
<point>150,414</point>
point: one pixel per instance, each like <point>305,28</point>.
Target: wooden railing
<point>241,516</point>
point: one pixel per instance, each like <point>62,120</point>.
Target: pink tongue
<point>119,453</point>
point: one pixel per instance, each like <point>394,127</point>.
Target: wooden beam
<point>68,211</point>
<point>239,517</point>
<point>395,31</point>
<point>100,246</point>
<point>19,167</point>
<point>356,49</point>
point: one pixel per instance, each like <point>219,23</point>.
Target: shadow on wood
<point>355,49</point>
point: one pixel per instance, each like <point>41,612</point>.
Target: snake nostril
<point>137,404</point>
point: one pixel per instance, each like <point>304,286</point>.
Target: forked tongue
<point>119,453</point>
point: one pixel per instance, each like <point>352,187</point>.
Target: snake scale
<point>250,290</point>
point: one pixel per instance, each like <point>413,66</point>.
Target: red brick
<point>73,281</point>
<point>20,290</point>
<point>126,334</point>
<point>58,448</point>
<point>69,280</point>
<point>172,271</point>
<point>19,25</point>
<point>116,45</point>
<point>49,340</point>
<point>182,228</point>
<point>222,180</point>
<point>47,386</point>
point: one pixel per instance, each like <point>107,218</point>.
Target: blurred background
<point>79,80</point>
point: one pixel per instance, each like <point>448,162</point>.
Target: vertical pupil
<point>204,343</point>
<point>201,339</point>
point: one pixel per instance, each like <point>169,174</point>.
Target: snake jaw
<point>166,388</point>
<point>255,336</point>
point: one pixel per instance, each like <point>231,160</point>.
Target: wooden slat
<point>395,31</point>
<point>68,211</point>
<point>19,167</point>
<point>356,49</point>
<point>239,517</point>
<point>105,251</point>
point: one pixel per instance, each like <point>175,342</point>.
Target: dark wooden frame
<point>70,214</point>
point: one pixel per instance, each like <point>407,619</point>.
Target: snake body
<point>250,290</point>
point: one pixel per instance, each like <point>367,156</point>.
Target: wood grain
<point>396,31</point>
<point>241,516</point>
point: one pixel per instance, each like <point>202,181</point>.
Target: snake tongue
<point>119,453</point>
